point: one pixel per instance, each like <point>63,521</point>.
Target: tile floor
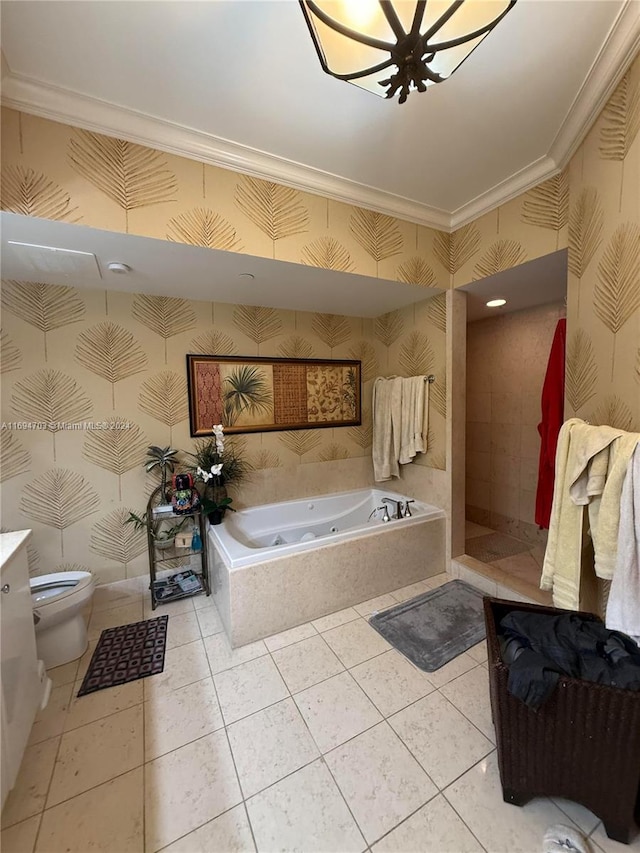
<point>526,566</point>
<point>322,738</point>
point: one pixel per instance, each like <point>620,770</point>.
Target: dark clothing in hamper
<point>540,648</point>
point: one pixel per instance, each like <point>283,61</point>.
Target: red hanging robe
<point>552,404</point>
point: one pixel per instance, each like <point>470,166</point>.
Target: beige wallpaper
<point>77,356</point>
<point>603,319</point>
<point>503,411</point>
<point>58,172</point>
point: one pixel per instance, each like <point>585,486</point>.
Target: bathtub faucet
<point>407,510</point>
<point>382,509</point>
<point>398,505</point>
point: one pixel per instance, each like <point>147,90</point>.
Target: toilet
<point>58,601</point>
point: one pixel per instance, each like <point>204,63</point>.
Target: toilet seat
<point>46,589</point>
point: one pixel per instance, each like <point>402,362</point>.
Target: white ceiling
<point>175,269</point>
<point>538,282</point>
<point>237,82</point>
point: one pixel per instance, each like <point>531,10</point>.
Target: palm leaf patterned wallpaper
<point>547,205</point>
<point>277,211</point>
<point>32,193</point>
<point>116,359</point>
<point>130,175</point>
<point>327,253</point>
<point>45,306</point>
<point>203,227</point>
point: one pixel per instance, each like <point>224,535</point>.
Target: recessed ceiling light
<point>119,268</point>
<point>496,303</point>
<point>248,275</point>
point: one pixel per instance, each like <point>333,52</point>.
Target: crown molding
<point>68,107</point>
<point>503,192</point>
<point>618,52</point>
<point>72,108</point>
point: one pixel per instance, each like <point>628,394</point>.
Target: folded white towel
<point>387,422</point>
<point>623,608</point>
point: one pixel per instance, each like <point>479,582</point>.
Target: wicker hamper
<point>582,744</point>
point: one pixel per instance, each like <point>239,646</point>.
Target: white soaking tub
<point>277,566</point>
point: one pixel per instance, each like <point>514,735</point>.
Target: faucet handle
<point>385,512</point>
<point>407,511</point>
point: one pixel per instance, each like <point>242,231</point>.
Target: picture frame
<point>258,394</point>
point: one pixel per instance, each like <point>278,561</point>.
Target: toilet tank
<point>22,685</point>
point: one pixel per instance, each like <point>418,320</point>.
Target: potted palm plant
<point>162,459</point>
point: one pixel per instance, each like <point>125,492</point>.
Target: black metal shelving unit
<point>159,557</point>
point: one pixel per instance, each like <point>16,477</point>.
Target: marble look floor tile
<point>188,787</point>
<point>451,670</point>
<point>85,660</point>
<point>391,682</point>
<point>438,580</point>
<point>601,840</point>
<point>580,815</point>
<point>380,780</point>
<point>443,741</point>
<point>65,674</point>
<point>182,665</point>
<point>333,620</point>
<point>521,566</point>
<point>306,663</point>
<point>499,826</point>
<point>169,608</point>
<point>248,688</point>
<point>336,710</point>
<point>102,703</point>
<point>50,721</point>
<point>221,656</point>
<point>435,828</point>
<point>479,651</point>
<point>183,628</point>
<point>202,602</point>
<point>355,642</point>
<point>112,618</point>
<point>105,819</point>
<point>229,833</point>
<point>408,592</point>
<point>472,530</point>
<point>173,719</point>
<point>209,621</point>
<point>28,795</point>
<point>269,745</point>
<point>304,812</point>
<point>293,635</point>
<point>95,753</point>
<point>375,605</point>
<point>21,837</point>
<point>118,594</point>
<point>470,695</point>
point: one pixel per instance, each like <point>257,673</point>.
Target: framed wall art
<point>254,394</point>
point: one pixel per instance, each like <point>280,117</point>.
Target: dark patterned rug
<point>434,627</point>
<point>126,653</point>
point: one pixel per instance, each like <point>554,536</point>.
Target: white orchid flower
<point>216,469</point>
<point>205,476</point>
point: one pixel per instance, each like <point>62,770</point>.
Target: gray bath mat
<point>435,627</point>
<point>494,546</point>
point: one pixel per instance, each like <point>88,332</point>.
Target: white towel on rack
<point>623,608</point>
<point>413,436</point>
<point>387,427</point>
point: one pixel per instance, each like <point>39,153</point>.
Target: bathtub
<point>277,566</point>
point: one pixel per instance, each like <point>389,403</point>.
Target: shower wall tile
<point>507,354</point>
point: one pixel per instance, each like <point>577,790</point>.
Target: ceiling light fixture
<point>360,41</point>
<point>119,268</point>
<point>496,303</point>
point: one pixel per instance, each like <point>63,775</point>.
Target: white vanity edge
<point>10,542</point>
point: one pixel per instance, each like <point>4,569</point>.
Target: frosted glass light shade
<point>396,46</point>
